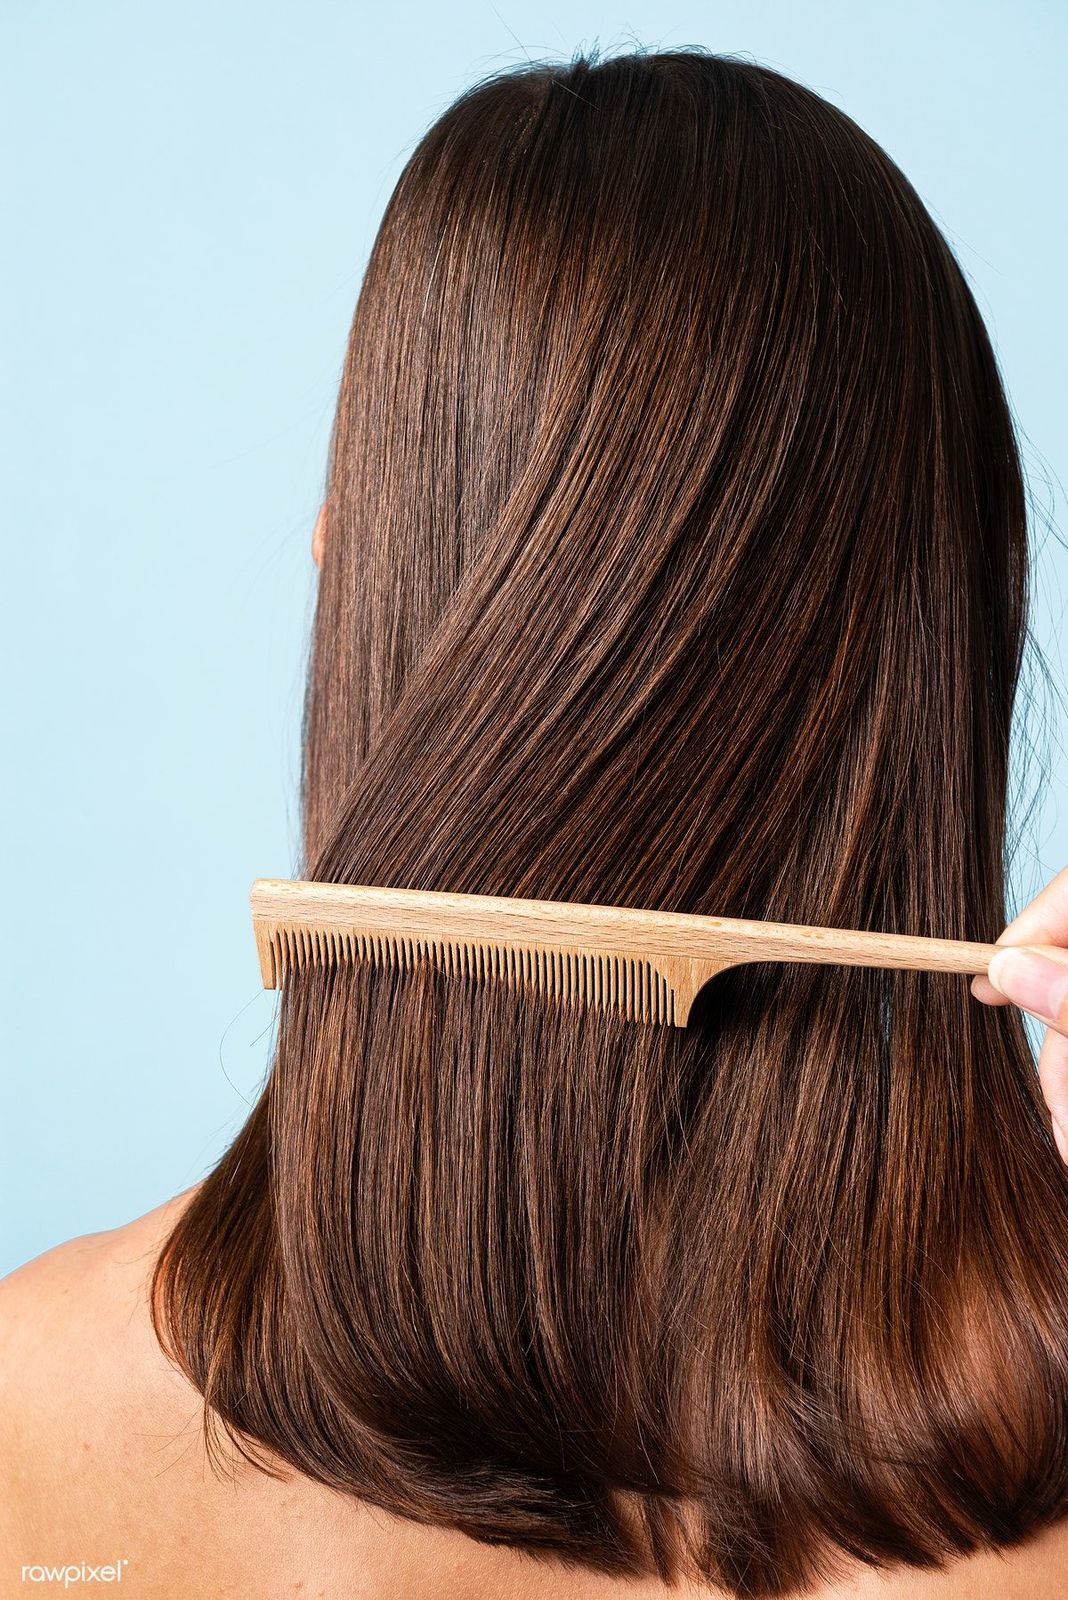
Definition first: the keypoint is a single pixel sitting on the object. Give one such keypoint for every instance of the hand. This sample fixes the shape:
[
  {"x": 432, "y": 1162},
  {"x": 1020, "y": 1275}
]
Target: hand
[{"x": 1032, "y": 972}]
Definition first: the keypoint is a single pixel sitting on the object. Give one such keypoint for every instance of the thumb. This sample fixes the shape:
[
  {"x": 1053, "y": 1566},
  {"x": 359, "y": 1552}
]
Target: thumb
[{"x": 1036, "y": 978}]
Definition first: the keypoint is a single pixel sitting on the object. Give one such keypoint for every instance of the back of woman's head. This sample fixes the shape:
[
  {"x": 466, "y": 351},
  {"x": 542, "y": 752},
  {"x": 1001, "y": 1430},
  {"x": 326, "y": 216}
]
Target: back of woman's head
[{"x": 675, "y": 556}]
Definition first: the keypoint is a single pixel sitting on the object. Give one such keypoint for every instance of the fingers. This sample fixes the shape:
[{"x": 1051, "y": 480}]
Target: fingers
[
  {"x": 1031, "y": 970},
  {"x": 1043, "y": 922},
  {"x": 984, "y": 990},
  {"x": 1036, "y": 978},
  {"x": 1053, "y": 1075}
]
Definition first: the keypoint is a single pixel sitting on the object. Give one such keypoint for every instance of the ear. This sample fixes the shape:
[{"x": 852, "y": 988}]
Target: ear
[{"x": 319, "y": 536}]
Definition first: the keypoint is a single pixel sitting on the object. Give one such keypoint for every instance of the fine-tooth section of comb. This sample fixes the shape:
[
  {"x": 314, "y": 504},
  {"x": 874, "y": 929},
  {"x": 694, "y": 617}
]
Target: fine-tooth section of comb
[
  {"x": 626, "y": 984},
  {"x": 646, "y": 965}
]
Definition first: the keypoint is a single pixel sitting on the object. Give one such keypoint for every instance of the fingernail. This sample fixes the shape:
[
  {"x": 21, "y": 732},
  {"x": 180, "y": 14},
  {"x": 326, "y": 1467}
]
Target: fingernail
[{"x": 1031, "y": 981}]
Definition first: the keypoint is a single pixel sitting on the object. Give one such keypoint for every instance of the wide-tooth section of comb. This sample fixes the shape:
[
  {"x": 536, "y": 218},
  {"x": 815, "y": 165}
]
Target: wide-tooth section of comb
[{"x": 629, "y": 985}]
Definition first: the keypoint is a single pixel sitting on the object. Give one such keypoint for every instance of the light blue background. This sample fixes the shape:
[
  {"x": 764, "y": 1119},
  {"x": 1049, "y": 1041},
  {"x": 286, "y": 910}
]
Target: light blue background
[{"x": 191, "y": 191}]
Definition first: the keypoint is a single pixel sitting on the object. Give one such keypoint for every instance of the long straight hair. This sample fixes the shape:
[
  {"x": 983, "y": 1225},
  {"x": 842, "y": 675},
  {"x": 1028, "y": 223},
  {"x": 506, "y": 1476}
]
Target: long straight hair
[{"x": 675, "y": 557}]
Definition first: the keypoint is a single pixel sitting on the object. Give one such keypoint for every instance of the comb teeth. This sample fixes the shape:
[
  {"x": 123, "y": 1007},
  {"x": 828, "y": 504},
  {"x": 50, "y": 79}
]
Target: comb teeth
[
  {"x": 628, "y": 985},
  {"x": 645, "y": 965}
]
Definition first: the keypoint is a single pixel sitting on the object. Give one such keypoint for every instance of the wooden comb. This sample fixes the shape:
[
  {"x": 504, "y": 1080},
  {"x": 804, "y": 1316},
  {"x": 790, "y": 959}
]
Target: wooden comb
[{"x": 646, "y": 965}]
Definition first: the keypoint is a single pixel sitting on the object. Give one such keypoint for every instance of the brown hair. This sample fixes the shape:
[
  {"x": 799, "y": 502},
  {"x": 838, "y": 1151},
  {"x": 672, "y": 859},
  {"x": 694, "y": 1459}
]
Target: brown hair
[{"x": 675, "y": 557}]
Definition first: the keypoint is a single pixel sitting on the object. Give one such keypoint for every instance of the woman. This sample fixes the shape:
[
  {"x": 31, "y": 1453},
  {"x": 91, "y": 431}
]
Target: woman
[{"x": 673, "y": 554}]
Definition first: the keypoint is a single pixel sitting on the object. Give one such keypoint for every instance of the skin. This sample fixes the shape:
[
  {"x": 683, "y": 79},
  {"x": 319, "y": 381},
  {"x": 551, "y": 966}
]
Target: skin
[
  {"x": 1032, "y": 972},
  {"x": 103, "y": 1458}
]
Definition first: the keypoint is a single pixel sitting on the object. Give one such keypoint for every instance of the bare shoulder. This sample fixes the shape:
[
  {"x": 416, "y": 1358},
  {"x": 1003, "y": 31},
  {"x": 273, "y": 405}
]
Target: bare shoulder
[
  {"x": 55, "y": 1310},
  {"x": 103, "y": 1460},
  {"x": 87, "y": 1399},
  {"x": 88, "y": 1262}
]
